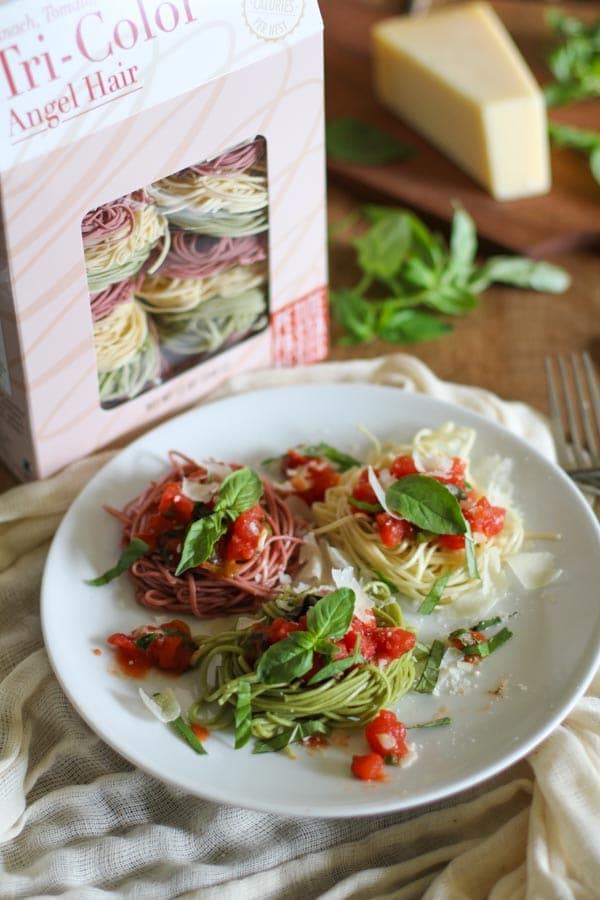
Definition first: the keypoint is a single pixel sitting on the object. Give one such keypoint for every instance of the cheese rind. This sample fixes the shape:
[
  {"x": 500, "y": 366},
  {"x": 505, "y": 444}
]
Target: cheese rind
[{"x": 456, "y": 76}]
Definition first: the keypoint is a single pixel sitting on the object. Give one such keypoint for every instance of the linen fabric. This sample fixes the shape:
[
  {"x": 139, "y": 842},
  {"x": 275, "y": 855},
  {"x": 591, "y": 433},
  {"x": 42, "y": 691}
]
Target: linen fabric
[{"x": 78, "y": 821}]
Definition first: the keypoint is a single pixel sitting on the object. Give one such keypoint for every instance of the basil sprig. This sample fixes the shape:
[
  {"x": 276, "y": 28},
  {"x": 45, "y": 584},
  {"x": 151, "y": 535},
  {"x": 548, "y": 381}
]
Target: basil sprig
[
  {"x": 429, "y": 673},
  {"x": 239, "y": 492},
  {"x": 434, "y": 596},
  {"x": 296, "y": 732},
  {"x": 328, "y": 620},
  {"x": 573, "y": 61},
  {"x": 412, "y": 279},
  {"x": 342, "y": 461},
  {"x": 135, "y": 549},
  {"x": 427, "y": 503},
  {"x": 351, "y": 140}
]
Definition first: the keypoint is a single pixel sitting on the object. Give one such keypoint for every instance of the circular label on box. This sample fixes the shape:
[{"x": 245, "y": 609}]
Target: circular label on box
[{"x": 272, "y": 20}]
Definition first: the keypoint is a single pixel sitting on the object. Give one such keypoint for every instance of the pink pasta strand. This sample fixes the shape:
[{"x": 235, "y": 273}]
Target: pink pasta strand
[{"x": 195, "y": 256}]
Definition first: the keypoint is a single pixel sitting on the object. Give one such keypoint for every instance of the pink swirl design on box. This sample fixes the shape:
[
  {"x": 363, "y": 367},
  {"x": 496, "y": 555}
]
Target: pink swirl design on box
[{"x": 196, "y": 256}]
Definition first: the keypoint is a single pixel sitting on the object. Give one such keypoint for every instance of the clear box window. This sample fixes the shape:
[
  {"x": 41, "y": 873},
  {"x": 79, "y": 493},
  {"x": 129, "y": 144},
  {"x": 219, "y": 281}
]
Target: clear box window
[{"x": 177, "y": 270}]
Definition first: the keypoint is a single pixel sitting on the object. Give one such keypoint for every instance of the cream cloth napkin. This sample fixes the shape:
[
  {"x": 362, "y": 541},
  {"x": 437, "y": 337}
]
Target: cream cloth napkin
[{"x": 76, "y": 820}]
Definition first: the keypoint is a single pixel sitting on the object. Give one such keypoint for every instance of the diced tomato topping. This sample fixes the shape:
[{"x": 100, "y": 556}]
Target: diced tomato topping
[
  {"x": 168, "y": 647},
  {"x": 456, "y": 474},
  {"x": 452, "y": 541},
  {"x": 175, "y": 505},
  {"x": 484, "y": 518},
  {"x": 392, "y": 643},
  {"x": 474, "y": 637},
  {"x": 402, "y": 466},
  {"x": 201, "y": 731},
  {"x": 245, "y": 535},
  {"x": 280, "y": 628},
  {"x": 363, "y": 492},
  {"x": 380, "y": 644},
  {"x": 391, "y": 530},
  {"x": 386, "y": 736},
  {"x": 310, "y": 476},
  {"x": 369, "y": 767},
  {"x": 127, "y": 647}
]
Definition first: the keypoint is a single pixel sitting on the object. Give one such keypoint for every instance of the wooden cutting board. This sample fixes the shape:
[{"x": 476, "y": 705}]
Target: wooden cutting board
[{"x": 567, "y": 218}]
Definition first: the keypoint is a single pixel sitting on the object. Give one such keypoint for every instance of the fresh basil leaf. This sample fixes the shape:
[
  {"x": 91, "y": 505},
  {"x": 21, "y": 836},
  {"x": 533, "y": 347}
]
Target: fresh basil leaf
[
  {"x": 336, "y": 667},
  {"x": 243, "y": 714},
  {"x": 434, "y": 723},
  {"x": 326, "y": 451},
  {"x": 183, "y": 729},
  {"x": 576, "y": 138},
  {"x": 200, "y": 540},
  {"x": 279, "y": 741},
  {"x": 239, "y": 492},
  {"x": 431, "y": 670},
  {"x": 463, "y": 242},
  {"x": 145, "y": 640},
  {"x": 486, "y": 623},
  {"x": 408, "y": 326},
  {"x": 287, "y": 659},
  {"x": 382, "y": 250},
  {"x": 356, "y": 315},
  {"x": 452, "y": 300},
  {"x": 419, "y": 273},
  {"x": 351, "y": 140},
  {"x": 426, "y": 503},
  {"x": 297, "y": 732},
  {"x": 434, "y": 596},
  {"x": 484, "y": 648},
  {"x": 470, "y": 553},
  {"x": 135, "y": 549},
  {"x": 524, "y": 273},
  {"x": 331, "y": 616}
]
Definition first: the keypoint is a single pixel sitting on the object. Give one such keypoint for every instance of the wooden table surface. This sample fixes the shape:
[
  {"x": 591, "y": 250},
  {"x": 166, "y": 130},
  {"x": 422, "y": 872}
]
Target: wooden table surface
[{"x": 501, "y": 346}]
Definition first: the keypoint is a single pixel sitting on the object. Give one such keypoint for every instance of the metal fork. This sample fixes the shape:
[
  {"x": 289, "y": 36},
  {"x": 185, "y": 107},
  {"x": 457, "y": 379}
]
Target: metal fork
[{"x": 574, "y": 401}]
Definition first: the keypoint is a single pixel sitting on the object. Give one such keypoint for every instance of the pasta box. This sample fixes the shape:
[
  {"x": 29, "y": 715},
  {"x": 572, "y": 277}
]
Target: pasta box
[{"x": 162, "y": 187}]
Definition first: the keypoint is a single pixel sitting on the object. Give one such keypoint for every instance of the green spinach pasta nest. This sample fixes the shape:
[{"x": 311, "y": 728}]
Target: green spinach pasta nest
[{"x": 309, "y": 664}]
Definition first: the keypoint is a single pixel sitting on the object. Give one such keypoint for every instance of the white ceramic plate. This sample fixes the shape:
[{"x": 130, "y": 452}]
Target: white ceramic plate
[{"x": 545, "y": 667}]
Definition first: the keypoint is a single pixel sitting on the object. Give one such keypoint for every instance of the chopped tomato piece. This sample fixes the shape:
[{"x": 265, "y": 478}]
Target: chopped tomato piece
[
  {"x": 386, "y": 736},
  {"x": 245, "y": 535},
  {"x": 168, "y": 647},
  {"x": 452, "y": 541},
  {"x": 457, "y": 473},
  {"x": 369, "y": 767},
  {"x": 391, "y": 530},
  {"x": 175, "y": 505},
  {"x": 170, "y": 652},
  {"x": 280, "y": 628},
  {"x": 127, "y": 646},
  {"x": 402, "y": 466},
  {"x": 310, "y": 476},
  {"x": 484, "y": 518},
  {"x": 363, "y": 492},
  {"x": 392, "y": 643}
]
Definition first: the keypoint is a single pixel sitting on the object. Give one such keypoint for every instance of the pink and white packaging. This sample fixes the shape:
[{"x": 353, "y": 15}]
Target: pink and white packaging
[{"x": 99, "y": 99}]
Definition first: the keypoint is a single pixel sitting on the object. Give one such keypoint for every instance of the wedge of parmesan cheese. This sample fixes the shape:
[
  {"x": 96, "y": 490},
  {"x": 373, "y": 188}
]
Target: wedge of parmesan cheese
[{"x": 456, "y": 76}]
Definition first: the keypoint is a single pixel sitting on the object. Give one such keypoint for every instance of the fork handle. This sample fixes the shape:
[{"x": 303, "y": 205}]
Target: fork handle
[{"x": 584, "y": 474}]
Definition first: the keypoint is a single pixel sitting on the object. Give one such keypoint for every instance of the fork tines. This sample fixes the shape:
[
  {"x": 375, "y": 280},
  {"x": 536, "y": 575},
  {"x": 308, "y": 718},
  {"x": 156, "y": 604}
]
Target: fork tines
[{"x": 574, "y": 400}]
